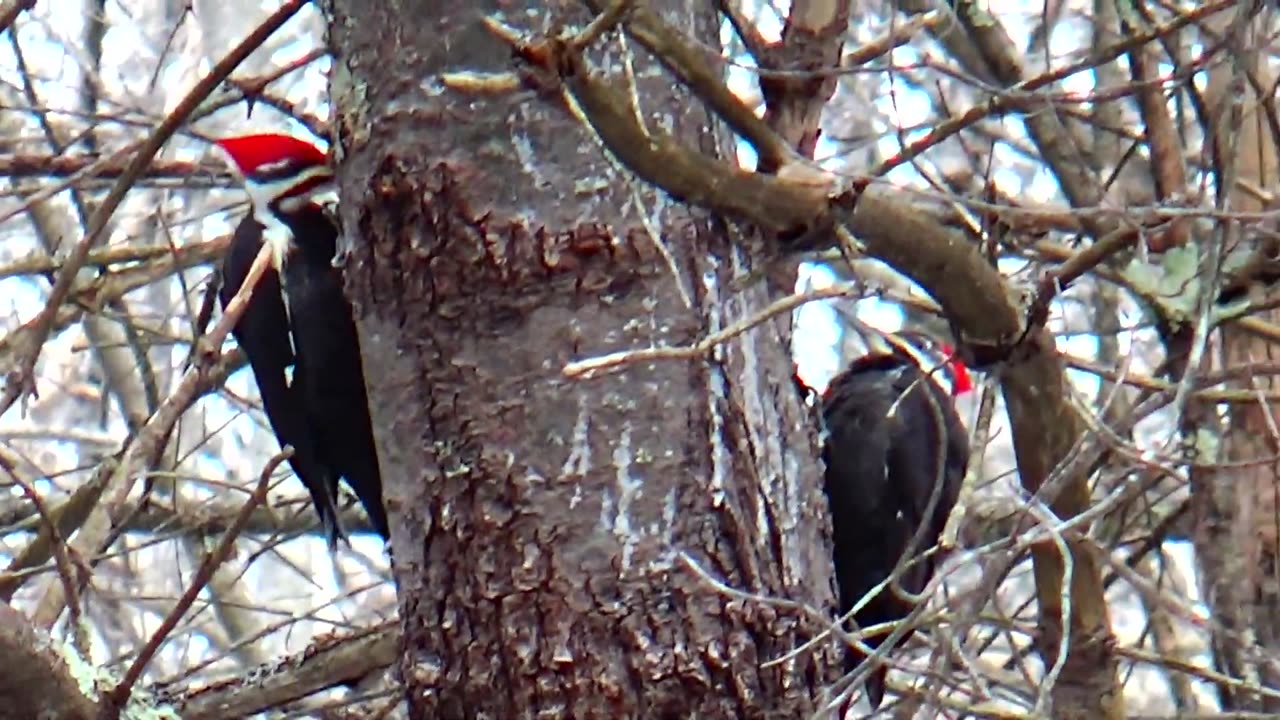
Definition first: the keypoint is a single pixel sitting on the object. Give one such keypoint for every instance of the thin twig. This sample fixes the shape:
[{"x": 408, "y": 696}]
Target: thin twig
[
  {"x": 116, "y": 479},
  {"x": 1018, "y": 96},
  {"x": 120, "y": 694},
  {"x": 1045, "y": 515},
  {"x": 702, "y": 73},
  {"x": 596, "y": 365}
]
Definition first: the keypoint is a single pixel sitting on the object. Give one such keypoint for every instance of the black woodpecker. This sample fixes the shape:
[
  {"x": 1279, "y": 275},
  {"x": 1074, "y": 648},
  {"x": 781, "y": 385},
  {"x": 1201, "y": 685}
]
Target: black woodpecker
[
  {"x": 895, "y": 453},
  {"x": 297, "y": 330}
]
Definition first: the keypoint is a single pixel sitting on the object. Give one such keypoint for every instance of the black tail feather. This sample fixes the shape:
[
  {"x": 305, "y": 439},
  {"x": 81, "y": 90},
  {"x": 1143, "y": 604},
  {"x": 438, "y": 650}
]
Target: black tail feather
[{"x": 875, "y": 685}]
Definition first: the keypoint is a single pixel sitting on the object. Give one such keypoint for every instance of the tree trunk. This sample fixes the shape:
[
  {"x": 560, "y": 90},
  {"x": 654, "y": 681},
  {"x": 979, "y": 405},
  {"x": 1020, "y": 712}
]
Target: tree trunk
[
  {"x": 541, "y": 524},
  {"x": 1236, "y": 509}
]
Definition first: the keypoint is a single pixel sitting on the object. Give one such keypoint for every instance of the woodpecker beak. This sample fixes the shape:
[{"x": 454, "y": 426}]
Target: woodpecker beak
[{"x": 327, "y": 198}]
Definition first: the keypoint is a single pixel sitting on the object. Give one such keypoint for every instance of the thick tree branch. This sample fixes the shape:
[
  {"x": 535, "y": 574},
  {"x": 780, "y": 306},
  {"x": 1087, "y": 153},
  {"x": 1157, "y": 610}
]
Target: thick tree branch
[
  {"x": 655, "y": 156},
  {"x": 328, "y": 662},
  {"x": 10, "y": 11},
  {"x": 36, "y": 682},
  {"x": 700, "y": 71}
]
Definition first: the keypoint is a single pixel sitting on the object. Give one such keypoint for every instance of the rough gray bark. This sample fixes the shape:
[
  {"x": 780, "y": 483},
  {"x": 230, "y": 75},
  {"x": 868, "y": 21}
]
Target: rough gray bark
[{"x": 538, "y": 522}]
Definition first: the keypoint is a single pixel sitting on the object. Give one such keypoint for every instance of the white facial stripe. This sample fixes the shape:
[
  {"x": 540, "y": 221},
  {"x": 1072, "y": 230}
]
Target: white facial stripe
[
  {"x": 322, "y": 194},
  {"x": 264, "y": 193},
  {"x": 277, "y": 235},
  {"x": 273, "y": 167},
  {"x": 326, "y": 194}
]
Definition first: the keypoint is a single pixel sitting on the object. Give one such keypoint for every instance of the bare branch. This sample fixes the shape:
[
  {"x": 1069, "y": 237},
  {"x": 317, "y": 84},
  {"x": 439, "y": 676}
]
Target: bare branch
[
  {"x": 114, "y": 481},
  {"x": 327, "y": 662},
  {"x": 614, "y": 361},
  {"x": 119, "y": 696}
]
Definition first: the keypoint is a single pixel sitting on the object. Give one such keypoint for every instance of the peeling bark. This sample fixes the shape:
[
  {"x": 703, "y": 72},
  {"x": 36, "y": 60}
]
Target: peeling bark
[{"x": 539, "y": 522}]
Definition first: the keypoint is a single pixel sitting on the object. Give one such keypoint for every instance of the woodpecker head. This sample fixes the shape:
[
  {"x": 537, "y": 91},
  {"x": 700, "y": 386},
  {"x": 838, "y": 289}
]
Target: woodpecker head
[
  {"x": 281, "y": 173},
  {"x": 931, "y": 354}
]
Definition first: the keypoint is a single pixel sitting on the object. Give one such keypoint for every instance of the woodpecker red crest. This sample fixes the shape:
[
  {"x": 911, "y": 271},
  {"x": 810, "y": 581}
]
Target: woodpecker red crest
[
  {"x": 280, "y": 172},
  {"x": 282, "y": 175}
]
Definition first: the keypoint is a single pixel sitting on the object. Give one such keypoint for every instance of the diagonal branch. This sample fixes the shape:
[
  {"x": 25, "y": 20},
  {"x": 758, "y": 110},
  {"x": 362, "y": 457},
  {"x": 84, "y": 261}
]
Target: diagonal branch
[
  {"x": 657, "y": 157},
  {"x": 11, "y": 10},
  {"x": 36, "y": 682},
  {"x": 119, "y": 696},
  {"x": 114, "y": 480},
  {"x": 694, "y": 66},
  {"x": 327, "y": 662}
]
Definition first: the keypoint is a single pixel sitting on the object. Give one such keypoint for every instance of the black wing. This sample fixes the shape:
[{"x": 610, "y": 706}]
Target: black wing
[
  {"x": 263, "y": 333},
  {"x": 331, "y": 373},
  {"x": 893, "y": 436}
]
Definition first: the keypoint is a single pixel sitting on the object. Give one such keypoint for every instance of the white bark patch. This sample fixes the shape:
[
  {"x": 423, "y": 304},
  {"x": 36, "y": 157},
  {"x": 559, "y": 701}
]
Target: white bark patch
[
  {"x": 579, "y": 460},
  {"x": 525, "y": 153},
  {"x": 666, "y": 529},
  {"x": 616, "y": 510},
  {"x": 580, "y": 449},
  {"x": 719, "y": 454},
  {"x": 765, "y": 438},
  {"x": 719, "y": 392}
]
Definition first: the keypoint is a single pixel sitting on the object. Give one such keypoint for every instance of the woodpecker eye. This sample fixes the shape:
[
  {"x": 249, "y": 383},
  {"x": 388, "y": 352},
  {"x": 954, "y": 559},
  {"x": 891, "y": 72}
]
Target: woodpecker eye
[{"x": 283, "y": 169}]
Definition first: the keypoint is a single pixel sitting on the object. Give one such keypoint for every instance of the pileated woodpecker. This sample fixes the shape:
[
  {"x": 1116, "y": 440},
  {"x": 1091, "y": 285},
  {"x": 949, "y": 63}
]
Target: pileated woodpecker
[
  {"x": 297, "y": 330},
  {"x": 895, "y": 453}
]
